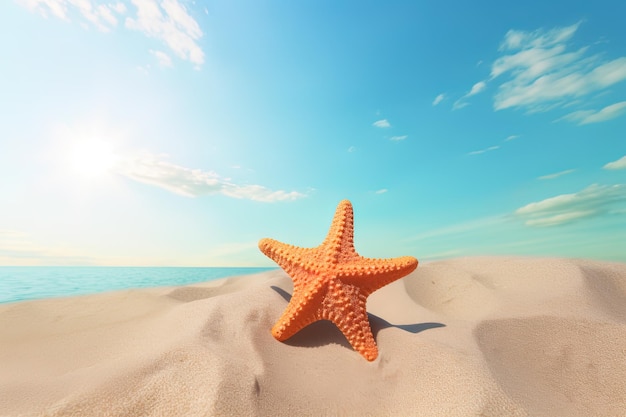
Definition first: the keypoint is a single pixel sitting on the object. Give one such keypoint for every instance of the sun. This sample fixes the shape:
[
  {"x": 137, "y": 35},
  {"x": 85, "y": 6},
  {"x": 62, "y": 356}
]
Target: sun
[{"x": 92, "y": 157}]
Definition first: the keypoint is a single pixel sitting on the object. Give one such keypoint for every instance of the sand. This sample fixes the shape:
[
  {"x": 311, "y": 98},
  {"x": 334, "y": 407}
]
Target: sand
[{"x": 491, "y": 336}]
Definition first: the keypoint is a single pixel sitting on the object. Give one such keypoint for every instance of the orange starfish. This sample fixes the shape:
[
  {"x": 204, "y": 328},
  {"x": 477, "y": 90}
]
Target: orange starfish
[{"x": 332, "y": 282}]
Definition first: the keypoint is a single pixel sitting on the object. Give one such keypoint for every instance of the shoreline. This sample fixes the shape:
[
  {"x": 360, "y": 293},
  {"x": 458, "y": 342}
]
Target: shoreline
[{"x": 23, "y": 283}]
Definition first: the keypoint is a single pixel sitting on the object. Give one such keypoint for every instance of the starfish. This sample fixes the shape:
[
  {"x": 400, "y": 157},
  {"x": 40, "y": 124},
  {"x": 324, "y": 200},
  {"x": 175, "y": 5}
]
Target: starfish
[{"x": 332, "y": 282}]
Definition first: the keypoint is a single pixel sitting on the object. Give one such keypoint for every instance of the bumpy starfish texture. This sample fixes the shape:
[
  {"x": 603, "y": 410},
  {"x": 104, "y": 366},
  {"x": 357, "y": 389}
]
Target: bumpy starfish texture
[{"x": 332, "y": 282}]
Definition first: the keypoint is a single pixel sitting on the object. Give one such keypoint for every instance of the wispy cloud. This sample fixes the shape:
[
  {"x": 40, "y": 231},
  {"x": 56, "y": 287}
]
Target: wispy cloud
[
  {"x": 352, "y": 149},
  {"x": 383, "y": 123},
  {"x": 539, "y": 71},
  {"x": 227, "y": 254},
  {"x": 170, "y": 23},
  {"x": 118, "y": 7},
  {"x": 436, "y": 256},
  {"x": 593, "y": 201},
  {"x": 491, "y": 148},
  {"x": 619, "y": 164},
  {"x": 155, "y": 170},
  {"x": 583, "y": 117},
  {"x": 19, "y": 248},
  {"x": 22, "y": 249},
  {"x": 163, "y": 58},
  {"x": 101, "y": 16},
  {"x": 556, "y": 175},
  {"x": 459, "y": 229},
  {"x": 558, "y": 219},
  {"x": 381, "y": 191},
  {"x": 460, "y": 103},
  {"x": 476, "y": 89},
  {"x": 398, "y": 138},
  {"x": 495, "y": 147},
  {"x": 167, "y": 21},
  {"x": 438, "y": 99}
]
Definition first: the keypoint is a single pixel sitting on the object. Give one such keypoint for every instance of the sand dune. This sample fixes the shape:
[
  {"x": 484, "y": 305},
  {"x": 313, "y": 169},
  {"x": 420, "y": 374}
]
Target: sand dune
[{"x": 468, "y": 336}]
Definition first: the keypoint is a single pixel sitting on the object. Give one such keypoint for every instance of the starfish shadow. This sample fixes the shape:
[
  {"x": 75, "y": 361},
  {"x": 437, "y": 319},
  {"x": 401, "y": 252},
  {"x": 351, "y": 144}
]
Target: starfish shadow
[
  {"x": 378, "y": 324},
  {"x": 324, "y": 332},
  {"x": 282, "y": 293}
]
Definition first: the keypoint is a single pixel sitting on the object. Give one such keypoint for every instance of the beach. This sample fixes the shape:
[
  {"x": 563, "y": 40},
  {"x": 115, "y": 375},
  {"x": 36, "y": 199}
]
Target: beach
[{"x": 490, "y": 336}]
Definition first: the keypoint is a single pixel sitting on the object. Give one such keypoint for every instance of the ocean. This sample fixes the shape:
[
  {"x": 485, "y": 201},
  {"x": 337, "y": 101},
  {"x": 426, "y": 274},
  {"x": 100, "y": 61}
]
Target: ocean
[{"x": 34, "y": 282}]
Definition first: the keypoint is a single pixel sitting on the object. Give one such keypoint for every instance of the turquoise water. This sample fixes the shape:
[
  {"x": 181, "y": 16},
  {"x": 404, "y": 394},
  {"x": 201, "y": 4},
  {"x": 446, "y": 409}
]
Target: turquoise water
[{"x": 33, "y": 282}]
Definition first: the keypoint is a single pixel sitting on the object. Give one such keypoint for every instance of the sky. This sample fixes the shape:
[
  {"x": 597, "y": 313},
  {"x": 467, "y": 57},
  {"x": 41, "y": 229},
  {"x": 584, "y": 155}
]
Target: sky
[{"x": 179, "y": 133}]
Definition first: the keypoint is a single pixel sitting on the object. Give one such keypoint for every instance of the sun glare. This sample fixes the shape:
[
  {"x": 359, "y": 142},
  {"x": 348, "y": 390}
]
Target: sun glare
[{"x": 92, "y": 158}]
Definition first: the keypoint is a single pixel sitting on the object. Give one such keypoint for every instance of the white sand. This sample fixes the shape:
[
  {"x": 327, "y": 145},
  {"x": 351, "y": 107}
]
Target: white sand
[{"x": 463, "y": 337}]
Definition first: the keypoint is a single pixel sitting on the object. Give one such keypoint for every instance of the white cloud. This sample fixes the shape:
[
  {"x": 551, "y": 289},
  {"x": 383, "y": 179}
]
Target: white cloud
[
  {"x": 144, "y": 70},
  {"x": 101, "y": 16},
  {"x": 381, "y": 191},
  {"x": 491, "y": 148},
  {"x": 619, "y": 164},
  {"x": 98, "y": 15},
  {"x": 14, "y": 242},
  {"x": 398, "y": 138},
  {"x": 18, "y": 248},
  {"x": 592, "y": 201},
  {"x": 167, "y": 20},
  {"x": 556, "y": 175},
  {"x": 459, "y": 104},
  {"x": 516, "y": 39},
  {"x": 257, "y": 193},
  {"x": 382, "y": 123},
  {"x": 163, "y": 58},
  {"x": 558, "y": 219},
  {"x": 539, "y": 73},
  {"x": 107, "y": 14},
  {"x": 444, "y": 254},
  {"x": 119, "y": 7},
  {"x": 57, "y": 8},
  {"x": 460, "y": 229},
  {"x": 170, "y": 23},
  {"x": 476, "y": 88},
  {"x": 583, "y": 117},
  {"x": 438, "y": 99},
  {"x": 155, "y": 170}
]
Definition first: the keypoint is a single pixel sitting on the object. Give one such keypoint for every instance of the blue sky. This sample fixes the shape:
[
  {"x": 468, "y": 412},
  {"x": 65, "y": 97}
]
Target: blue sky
[{"x": 171, "y": 132}]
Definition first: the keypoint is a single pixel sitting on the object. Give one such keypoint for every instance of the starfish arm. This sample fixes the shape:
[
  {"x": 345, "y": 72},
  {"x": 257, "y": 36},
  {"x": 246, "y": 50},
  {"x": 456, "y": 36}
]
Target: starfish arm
[
  {"x": 292, "y": 259},
  {"x": 302, "y": 310},
  {"x": 372, "y": 274},
  {"x": 359, "y": 334},
  {"x": 339, "y": 243},
  {"x": 345, "y": 306}
]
